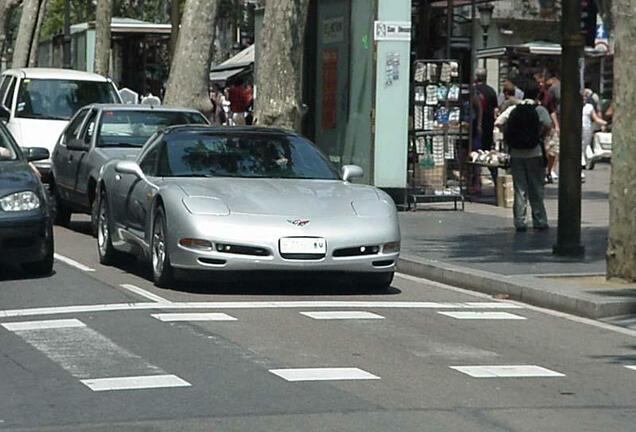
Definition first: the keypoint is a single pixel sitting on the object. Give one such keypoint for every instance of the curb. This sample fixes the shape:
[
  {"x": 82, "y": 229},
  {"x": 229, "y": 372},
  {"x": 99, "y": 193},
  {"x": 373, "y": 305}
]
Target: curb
[{"x": 527, "y": 289}]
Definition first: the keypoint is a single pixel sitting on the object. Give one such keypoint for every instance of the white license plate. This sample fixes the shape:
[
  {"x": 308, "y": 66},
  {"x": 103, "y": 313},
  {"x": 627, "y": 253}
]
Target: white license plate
[{"x": 303, "y": 245}]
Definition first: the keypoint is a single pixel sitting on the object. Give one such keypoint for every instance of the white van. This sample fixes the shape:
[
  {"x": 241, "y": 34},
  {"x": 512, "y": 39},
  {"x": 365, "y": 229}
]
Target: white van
[{"x": 37, "y": 103}]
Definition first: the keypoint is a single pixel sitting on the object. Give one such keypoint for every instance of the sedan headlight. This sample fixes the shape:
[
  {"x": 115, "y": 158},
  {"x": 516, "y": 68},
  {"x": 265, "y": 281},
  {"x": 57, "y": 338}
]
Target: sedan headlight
[
  {"x": 207, "y": 206},
  {"x": 20, "y": 201}
]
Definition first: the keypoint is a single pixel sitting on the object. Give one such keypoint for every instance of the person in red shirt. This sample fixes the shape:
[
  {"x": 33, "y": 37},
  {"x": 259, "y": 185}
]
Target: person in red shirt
[{"x": 240, "y": 99}]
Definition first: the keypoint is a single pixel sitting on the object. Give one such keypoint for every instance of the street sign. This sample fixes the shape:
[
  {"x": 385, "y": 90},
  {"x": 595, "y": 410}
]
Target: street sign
[{"x": 392, "y": 30}]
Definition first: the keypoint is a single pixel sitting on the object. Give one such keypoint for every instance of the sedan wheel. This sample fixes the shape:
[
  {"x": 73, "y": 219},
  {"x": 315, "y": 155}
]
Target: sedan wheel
[
  {"x": 107, "y": 253},
  {"x": 161, "y": 269}
]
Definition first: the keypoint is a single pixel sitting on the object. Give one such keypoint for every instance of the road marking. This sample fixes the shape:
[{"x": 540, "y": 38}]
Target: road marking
[
  {"x": 482, "y": 315},
  {"x": 73, "y": 263},
  {"x": 507, "y": 371},
  {"x": 632, "y": 367},
  {"x": 57, "y": 310},
  {"x": 135, "y": 382},
  {"x": 324, "y": 374},
  {"x": 341, "y": 315},
  {"x": 82, "y": 351},
  {"x": 40, "y": 325},
  {"x": 144, "y": 293},
  {"x": 168, "y": 317},
  {"x": 563, "y": 315}
]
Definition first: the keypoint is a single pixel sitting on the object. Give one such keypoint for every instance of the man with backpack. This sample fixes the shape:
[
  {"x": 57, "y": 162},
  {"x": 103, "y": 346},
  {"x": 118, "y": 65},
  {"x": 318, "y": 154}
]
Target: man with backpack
[{"x": 525, "y": 127}]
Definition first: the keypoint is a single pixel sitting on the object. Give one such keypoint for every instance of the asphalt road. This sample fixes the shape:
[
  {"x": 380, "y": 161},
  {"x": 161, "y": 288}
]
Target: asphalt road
[{"x": 97, "y": 348}]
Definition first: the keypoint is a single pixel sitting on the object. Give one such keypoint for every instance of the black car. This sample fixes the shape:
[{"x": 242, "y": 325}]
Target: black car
[{"x": 26, "y": 228}]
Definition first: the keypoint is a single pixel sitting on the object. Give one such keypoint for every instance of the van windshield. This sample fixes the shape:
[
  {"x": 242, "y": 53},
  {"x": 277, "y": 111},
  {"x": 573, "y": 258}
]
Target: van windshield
[{"x": 57, "y": 99}]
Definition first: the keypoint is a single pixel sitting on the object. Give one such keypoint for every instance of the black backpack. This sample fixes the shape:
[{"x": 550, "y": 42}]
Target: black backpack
[{"x": 523, "y": 128}]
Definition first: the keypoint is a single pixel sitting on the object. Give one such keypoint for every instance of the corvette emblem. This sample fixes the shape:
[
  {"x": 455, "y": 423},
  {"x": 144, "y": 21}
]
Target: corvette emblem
[{"x": 298, "y": 222}]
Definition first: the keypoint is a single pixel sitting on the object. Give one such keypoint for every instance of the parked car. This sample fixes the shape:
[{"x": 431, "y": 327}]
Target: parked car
[
  {"x": 96, "y": 134},
  {"x": 26, "y": 229},
  {"x": 37, "y": 103},
  {"x": 243, "y": 199}
]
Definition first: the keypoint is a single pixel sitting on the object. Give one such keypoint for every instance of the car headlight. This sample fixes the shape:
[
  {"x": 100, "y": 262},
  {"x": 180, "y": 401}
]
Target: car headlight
[
  {"x": 20, "y": 201},
  {"x": 208, "y": 206}
]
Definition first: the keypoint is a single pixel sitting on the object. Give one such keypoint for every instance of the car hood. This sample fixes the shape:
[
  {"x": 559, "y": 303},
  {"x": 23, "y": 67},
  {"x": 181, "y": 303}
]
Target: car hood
[
  {"x": 16, "y": 176},
  {"x": 282, "y": 197},
  {"x": 38, "y": 132}
]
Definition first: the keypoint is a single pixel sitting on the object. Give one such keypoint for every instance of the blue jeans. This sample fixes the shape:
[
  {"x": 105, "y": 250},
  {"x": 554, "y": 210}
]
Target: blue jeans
[{"x": 528, "y": 175}]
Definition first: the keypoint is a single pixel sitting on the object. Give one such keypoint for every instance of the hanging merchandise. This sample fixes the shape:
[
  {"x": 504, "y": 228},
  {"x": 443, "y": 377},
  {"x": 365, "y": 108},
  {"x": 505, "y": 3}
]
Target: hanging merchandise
[{"x": 440, "y": 136}]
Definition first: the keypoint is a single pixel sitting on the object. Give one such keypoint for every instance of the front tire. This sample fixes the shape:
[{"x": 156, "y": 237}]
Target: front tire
[
  {"x": 62, "y": 214},
  {"x": 162, "y": 271},
  {"x": 107, "y": 252}
]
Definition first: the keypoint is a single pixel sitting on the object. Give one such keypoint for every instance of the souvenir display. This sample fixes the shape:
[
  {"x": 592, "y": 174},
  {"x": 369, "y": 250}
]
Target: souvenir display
[{"x": 441, "y": 126}]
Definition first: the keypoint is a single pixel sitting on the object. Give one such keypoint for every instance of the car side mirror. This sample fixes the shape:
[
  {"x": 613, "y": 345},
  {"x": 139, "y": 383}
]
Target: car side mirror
[
  {"x": 5, "y": 115},
  {"x": 351, "y": 171},
  {"x": 75, "y": 144},
  {"x": 33, "y": 154},
  {"x": 132, "y": 168}
]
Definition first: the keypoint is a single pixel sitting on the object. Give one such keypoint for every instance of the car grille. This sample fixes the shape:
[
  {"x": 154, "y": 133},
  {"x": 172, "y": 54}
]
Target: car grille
[{"x": 303, "y": 256}]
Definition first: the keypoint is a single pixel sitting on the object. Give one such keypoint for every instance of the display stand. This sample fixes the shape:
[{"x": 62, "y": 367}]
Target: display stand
[{"x": 440, "y": 133}]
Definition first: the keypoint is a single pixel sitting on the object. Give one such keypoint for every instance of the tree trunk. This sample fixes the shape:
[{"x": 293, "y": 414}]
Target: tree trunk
[
  {"x": 24, "y": 39},
  {"x": 621, "y": 251},
  {"x": 33, "y": 55},
  {"x": 190, "y": 69},
  {"x": 6, "y": 7},
  {"x": 278, "y": 73},
  {"x": 175, "y": 21},
  {"x": 103, "y": 18}
]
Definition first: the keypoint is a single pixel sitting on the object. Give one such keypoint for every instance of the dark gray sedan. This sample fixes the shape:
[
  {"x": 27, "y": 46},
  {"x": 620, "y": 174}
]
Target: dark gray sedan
[{"x": 96, "y": 134}]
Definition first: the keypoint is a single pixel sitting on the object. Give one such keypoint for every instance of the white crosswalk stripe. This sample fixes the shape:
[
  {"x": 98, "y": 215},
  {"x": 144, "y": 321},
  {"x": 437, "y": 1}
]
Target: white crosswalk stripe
[
  {"x": 170, "y": 317},
  {"x": 507, "y": 371},
  {"x": 323, "y": 374},
  {"x": 482, "y": 315},
  {"x": 341, "y": 315},
  {"x": 87, "y": 354}
]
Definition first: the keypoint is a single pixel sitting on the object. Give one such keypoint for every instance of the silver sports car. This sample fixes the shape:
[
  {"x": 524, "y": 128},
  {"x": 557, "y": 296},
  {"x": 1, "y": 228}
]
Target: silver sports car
[{"x": 243, "y": 199}]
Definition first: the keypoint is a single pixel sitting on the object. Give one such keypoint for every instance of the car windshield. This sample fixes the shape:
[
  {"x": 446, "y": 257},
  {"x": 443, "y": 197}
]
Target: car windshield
[
  {"x": 57, "y": 99},
  {"x": 7, "y": 150},
  {"x": 250, "y": 155},
  {"x": 133, "y": 128}
]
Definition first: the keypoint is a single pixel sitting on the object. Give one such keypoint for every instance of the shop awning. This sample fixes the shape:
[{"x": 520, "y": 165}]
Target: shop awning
[
  {"x": 235, "y": 65},
  {"x": 537, "y": 48}
]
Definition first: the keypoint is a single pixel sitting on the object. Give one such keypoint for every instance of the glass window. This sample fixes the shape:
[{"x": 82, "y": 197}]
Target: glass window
[
  {"x": 148, "y": 164},
  {"x": 249, "y": 155},
  {"x": 73, "y": 129},
  {"x": 128, "y": 128},
  {"x": 8, "y": 102},
  {"x": 57, "y": 99},
  {"x": 3, "y": 87},
  {"x": 89, "y": 129},
  {"x": 7, "y": 149}
]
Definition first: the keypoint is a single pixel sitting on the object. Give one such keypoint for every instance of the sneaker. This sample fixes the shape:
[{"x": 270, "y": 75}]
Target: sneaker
[
  {"x": 554, "y": 175},
  {"x": 582, "y": 177},
  {"x": 548, "y": 179}
]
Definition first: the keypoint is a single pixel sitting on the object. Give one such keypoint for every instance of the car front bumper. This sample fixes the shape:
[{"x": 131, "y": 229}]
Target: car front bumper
[
  {"x": 266, "y": 234},
  {"x": 24, "y": 239}
]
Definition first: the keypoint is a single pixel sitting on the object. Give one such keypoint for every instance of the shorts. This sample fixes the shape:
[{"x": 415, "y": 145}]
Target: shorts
[{"x": 553, "y": 144}]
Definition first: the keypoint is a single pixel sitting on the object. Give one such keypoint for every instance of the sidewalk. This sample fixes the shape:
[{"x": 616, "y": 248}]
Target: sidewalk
[{"x": 479, "y": 249}]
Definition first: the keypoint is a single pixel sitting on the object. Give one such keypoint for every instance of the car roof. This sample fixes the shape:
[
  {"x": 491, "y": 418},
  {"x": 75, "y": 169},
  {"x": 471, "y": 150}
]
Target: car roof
[
  {"x": 54, "y": 73},
  {"x": 140, "y": 107},
  {"x": 229, "y": 129}
]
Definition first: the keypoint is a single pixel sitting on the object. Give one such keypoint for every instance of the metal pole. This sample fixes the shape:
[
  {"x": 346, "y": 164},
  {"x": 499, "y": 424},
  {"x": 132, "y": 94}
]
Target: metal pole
[
  {"x": 67, "y": 35},
  {"x": 572, "y": 43},
  {"x": 449, "y": 27}
]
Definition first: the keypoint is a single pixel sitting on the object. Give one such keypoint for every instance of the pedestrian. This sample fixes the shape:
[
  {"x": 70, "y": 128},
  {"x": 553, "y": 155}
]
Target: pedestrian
[
  {"x": 238, "y": 96},
  {"x": 509, "y": 90},
  {"x": 553, "y": 105},
  {"x": 488, "y": 100},
  {"x": 509, "y": 100},
  {"x": 590, "y": 117},
  {"x": 525, "y": 127}
]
